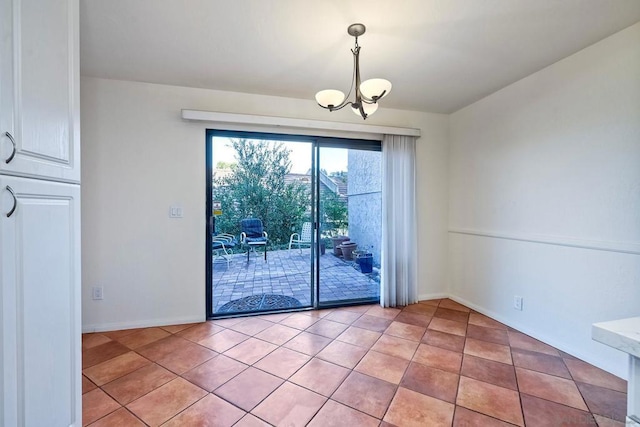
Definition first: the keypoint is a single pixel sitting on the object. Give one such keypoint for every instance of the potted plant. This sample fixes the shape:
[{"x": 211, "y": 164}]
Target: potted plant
[
  {"x": 337, "y": 242},
  {"x": 323, "y": 246},
  {"x": 347, "y": 250}
]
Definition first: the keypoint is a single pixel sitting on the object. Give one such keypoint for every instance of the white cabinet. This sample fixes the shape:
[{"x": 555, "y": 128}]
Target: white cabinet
[
  {"x": 40, "y": 331},
  {"x": 39, "y": 89},
  {"x": 40, "y": 276}
]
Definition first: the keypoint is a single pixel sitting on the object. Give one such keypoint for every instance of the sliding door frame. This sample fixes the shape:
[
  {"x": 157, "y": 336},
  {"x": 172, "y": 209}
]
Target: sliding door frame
[
  {"x": 317, "y": 142},
  {"x": 345, "y": 143}
]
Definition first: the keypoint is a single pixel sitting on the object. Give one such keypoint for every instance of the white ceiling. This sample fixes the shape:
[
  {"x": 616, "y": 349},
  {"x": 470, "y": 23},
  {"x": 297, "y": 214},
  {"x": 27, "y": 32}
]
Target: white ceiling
[{"x": 440, "y": 55}]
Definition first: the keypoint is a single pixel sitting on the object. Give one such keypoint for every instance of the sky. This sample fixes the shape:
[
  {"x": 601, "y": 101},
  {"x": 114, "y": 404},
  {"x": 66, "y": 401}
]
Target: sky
[{"x": 331, "y": 159}]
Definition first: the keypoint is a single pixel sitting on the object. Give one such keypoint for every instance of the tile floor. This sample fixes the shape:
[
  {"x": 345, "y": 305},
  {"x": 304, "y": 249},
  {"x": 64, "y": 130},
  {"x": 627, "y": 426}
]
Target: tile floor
[{"x": 429, "y": 364}]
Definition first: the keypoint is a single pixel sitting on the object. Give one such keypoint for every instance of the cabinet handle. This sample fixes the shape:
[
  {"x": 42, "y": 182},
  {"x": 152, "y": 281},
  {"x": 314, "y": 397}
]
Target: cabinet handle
[
  {"x": 13, "y": 142},
  {"x": 15, "y": 201}
]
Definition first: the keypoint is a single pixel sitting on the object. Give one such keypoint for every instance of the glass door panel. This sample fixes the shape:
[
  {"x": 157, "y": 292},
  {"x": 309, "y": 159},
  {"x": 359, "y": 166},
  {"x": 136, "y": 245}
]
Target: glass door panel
[
  {"x": 349, "y": 191},
  {"x": 270, "y": 182}
]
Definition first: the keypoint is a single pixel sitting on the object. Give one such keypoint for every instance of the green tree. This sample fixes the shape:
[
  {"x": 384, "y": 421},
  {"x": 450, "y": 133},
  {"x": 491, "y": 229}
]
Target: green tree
[
  {"x": 334, "y": 216},
  {"x": 224, "y": 165},
  {"x": 256, "y": 188}
]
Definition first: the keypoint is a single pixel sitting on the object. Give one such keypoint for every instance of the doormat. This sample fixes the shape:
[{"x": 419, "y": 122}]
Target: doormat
[{"x": 260, "y": 302}]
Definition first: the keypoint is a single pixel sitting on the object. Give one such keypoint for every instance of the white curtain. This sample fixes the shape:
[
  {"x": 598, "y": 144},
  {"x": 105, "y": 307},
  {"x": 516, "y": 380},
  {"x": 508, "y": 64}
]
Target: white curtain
[{"x": 399, "y": 284}]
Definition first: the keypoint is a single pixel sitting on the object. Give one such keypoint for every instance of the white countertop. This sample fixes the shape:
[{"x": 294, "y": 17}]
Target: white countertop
[{"x": 623, "y": 334}]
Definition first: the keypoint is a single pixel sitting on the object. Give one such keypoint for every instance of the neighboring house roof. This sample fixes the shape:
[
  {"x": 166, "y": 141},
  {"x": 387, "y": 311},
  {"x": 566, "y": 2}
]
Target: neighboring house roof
[
  {"x": 297, "y": 177},
  {"x": 336, "y": 186},
  {"x": 342, "y": 186}
]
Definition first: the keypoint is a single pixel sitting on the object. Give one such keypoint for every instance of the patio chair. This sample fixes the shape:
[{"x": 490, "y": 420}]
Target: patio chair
[
  {"x": 253, "y": 235},
  {"x": 302, "y": 238},
  {"x": 222, "y": 245}
]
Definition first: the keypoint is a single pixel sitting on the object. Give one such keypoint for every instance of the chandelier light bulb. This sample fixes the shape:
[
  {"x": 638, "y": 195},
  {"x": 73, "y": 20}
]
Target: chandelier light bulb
[
  {"x": 329, "y": 97},
  {"x": 375, "y": 88},
  {"x": 369, "y": 109}
]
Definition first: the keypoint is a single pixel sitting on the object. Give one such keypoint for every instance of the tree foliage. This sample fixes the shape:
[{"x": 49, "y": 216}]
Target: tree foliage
[
  {"x": 334, "y": 218},
  {"x": 256, "y": 188}
]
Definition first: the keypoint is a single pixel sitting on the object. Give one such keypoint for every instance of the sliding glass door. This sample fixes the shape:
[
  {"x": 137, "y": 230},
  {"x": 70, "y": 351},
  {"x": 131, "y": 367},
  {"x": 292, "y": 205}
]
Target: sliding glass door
[
  {"x": 350, "y": 221},
  {"x": 293, "y": 222}
]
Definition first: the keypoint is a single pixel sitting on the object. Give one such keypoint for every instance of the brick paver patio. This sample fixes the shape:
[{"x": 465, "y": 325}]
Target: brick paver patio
[{"x": 289, "y": 274}]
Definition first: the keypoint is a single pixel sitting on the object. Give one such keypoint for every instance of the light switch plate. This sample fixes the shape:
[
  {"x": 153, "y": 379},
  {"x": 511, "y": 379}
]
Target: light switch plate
[
  {"x": 517, "y": 302},
  {"x": 175, "y": 212}
]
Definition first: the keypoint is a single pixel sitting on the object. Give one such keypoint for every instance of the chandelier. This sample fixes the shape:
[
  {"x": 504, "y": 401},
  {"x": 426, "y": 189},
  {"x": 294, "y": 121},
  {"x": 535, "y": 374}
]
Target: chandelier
[{"x": 367, "y": 93}]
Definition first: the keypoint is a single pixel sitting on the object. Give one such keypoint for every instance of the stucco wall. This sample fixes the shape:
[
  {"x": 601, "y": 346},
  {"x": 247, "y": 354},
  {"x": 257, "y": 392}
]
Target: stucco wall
[{"x": 364, "y": 189}]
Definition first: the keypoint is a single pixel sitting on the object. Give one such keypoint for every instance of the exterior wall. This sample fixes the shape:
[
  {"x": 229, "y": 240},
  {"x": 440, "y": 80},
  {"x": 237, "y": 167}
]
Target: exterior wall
[{"x": 364, "y": 191}]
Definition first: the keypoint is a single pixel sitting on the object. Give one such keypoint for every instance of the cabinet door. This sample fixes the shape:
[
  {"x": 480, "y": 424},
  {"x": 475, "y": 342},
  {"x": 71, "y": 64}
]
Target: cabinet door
[
  {"x": 40, "y": 278},
  {"x": 39, "y": 89}
]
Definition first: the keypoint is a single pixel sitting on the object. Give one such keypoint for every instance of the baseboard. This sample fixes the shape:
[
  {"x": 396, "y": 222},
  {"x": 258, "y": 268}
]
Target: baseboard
[
  {"x": 532, "y": 333},
  {"x": 116, "y": 326},
  {"x": 440, "y": 295}
]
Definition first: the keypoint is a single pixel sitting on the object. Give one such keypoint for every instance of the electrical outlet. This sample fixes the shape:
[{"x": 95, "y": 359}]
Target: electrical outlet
[
  {"x": 97, "y": 292},
  {"x": 517, "y": 302}
]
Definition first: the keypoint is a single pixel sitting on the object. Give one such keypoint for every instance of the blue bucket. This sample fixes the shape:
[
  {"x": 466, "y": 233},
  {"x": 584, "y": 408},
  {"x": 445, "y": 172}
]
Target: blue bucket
[{"x": 366, "y": 263}]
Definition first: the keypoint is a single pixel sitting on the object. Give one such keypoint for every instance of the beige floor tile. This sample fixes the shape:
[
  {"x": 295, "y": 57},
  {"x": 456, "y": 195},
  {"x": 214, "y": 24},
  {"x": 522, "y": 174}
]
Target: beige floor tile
[
  {"x": 406, "y": 331},
  {"x": 250, "y": 351},
  {"x": 309, "y": 344},
  {"x": 488, "y": 350},
  {"x": 277, "y": 334},
  {"x": 143, "y": 337},
  {"x": 320, "y": 376},
  {"x": 448, "y": 326},
  {"x": 121, "y": 417},
  {"x": 383, "y": 366},
  {"x": 394, "y": 346},
  {"x": 115, "y": 368},
  {"x": 248, "y": 388},
  {"x": 336, "y": 414},
  {"x": 364, "y": 393},
  {"x": 186, "y": 358},
  {"x": 585, "y": 373},
  {"x": 327, "y": 328},
  {"x": 439, "y": 358},
  {"x": 551, "y": 388},
  {"x": 489, "y": 399},
  {"x": 412, "y": 409},
  {"x": 223, "y": 341},
  {"x": 200, "y": 331},
  {"x": 214, "y": 372},
  {"x": 289, "y": 405},
  {"x": 251, "y": 326},
  {"x": 360, "y": 337},
  {"x": 95, "y": 405},
  {"x": 138, "y": 383},
  {"x": 283, "y": 362},
  {"x": 342, "y": 353},
  {"x": 208, "y": 411},
  {"x": 166, "y": 401}
]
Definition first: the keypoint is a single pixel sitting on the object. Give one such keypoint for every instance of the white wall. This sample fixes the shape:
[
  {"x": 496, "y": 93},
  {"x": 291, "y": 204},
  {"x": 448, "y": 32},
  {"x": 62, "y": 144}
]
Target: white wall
[
  {"x": 546, "y": 164},
  {"x": 139, "y": 157}
]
